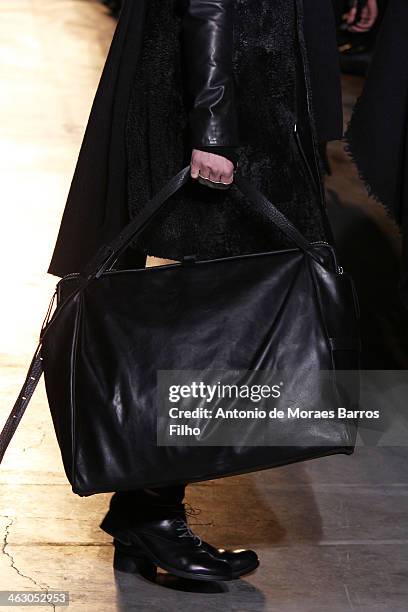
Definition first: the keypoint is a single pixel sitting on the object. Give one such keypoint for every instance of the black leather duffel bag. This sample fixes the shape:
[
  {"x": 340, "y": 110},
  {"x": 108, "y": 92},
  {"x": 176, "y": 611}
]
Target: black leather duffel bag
[{"x": 113, "y": 330}]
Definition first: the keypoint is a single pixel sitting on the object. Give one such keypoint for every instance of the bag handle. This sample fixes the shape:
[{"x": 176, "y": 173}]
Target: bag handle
[
  {"x": 108, "y": 254},
  {"x": 268, "y": 211}
]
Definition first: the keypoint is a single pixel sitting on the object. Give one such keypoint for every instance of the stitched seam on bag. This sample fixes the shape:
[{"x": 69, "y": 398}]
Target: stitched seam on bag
[
  {"x": 156, "y": 269},
  {"x": 72, "y": 387},
  {"x": 338, "y": 450},
  {"x": 321, "y": 309}
]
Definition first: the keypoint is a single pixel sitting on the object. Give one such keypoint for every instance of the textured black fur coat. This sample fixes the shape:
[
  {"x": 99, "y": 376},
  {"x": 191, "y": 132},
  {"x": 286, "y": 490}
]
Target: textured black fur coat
[{"x": 136, "y": 137}]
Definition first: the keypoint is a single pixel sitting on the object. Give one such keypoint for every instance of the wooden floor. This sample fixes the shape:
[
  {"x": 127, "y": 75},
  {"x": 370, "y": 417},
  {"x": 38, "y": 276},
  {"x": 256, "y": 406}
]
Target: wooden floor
[{"x": 331, "y": 533}]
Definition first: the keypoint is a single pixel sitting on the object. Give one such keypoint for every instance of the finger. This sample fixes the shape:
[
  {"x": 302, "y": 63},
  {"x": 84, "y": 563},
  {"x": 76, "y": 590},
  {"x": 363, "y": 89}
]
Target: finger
[
  {"x": 214, "y": 174},
  {"x": 194, "y": 168},
  {"x": 207, "y": 171},
  {"x": 364, "y": 18},
  {"x": 372, "y": 16},
  {"x": 204, "y": 170},
  {"x": 359, "y": 28},
  {"x": 227, "y": 178},
  {"x": 351, "y": 15},
  {"x": 364, "y": 13},
  {"x": 367, "y": 19}
]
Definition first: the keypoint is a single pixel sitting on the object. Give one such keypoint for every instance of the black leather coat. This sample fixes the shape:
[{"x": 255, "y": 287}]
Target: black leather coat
[
  {"x": 207, "y": 44},
  {"x": 110, "y": 184},
  {"x": 207, "y": 37}
]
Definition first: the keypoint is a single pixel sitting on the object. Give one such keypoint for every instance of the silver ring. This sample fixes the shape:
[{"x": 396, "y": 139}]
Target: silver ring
[{"x": 211, "y": 181}]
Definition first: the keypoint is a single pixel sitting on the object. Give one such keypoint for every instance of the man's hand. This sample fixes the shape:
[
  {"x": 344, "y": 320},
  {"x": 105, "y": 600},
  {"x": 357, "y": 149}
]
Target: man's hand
[
  {"x": 212, "y": 167},
  {"x": 369, "y": 14}
]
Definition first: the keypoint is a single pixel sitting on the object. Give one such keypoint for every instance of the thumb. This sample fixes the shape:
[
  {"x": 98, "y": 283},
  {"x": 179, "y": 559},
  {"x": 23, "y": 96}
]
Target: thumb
[{"x": 351, "y": 15}]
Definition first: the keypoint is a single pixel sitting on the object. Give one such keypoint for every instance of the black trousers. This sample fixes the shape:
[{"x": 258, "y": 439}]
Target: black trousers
[{"x": 148, "y": 504}]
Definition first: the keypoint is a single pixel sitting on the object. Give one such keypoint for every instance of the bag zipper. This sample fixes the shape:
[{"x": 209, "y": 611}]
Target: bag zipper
[{"x": 339, "y": 269}]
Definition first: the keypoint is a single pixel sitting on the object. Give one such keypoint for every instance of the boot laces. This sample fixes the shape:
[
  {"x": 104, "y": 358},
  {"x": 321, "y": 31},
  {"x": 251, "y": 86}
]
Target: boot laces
[
  {"x": 182, "y": 526},
  {"x": 186, "y": 532}
]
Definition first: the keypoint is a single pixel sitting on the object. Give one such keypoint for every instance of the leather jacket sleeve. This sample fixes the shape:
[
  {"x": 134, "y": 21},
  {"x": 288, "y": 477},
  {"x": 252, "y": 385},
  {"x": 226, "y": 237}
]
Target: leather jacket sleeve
[{"x": 207, "y": 47}]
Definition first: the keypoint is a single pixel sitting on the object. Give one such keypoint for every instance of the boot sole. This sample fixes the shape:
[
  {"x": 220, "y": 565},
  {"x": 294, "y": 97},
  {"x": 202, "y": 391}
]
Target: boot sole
[
  {"x": 248, "y": 570},
  {"x": 132, "y": 564}
]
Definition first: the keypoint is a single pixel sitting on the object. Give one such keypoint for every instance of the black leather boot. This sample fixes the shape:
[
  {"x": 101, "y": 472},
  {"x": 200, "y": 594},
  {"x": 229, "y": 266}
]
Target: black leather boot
[
  {"x": 171, "y": 545},
  {"x": 241, "y": 561},
  {"x": 132, "y": 560}
]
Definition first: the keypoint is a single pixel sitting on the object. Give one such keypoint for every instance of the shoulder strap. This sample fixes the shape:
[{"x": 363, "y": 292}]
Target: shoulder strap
[{"x": 33, "y": 376}]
